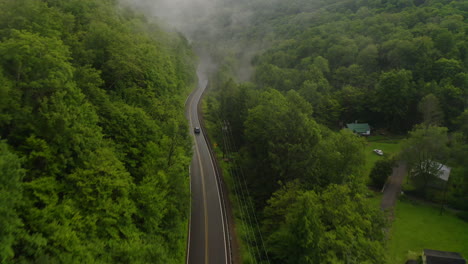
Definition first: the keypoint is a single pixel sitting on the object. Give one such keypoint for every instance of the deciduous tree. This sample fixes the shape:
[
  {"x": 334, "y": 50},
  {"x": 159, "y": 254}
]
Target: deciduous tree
[
  {"x": 425, "y": 151},
  {"x": 334, "y": 226},
  {"x": 11, "y": 176}
]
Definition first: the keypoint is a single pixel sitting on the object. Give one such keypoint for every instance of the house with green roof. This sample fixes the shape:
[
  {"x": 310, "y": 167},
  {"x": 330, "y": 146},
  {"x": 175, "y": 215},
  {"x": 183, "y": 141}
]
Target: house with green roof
[{"x": 362, "y": 129}]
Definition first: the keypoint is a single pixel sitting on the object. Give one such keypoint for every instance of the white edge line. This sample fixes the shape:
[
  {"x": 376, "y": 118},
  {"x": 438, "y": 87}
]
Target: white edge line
[
  {"x": 190, "y": 174},
  {"x": 190, "y": 213},
  {"x": 221, "y": 209},
  {"x": 193, "y": 95},
  {"x": 217, "y": 187},
  {"x": 199, "y": 158}
]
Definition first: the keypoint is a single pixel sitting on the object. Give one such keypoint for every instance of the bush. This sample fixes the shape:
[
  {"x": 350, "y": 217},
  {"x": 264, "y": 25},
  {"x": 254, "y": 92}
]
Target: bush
[{"x": 380, "y": 172}]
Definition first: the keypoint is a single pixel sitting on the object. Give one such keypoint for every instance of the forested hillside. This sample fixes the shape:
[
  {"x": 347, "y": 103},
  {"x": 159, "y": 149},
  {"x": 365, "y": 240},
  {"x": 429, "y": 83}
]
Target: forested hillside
[
  {"x": 94, "y": 149},
  {"x": 341, "y": 56},
  {"x": 375, "y": 62},
  {"x": 398, "y": 65}
]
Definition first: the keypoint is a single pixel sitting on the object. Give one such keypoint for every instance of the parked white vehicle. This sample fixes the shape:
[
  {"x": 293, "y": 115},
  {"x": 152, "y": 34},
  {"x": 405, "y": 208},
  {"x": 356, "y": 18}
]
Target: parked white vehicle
[{"x": 378, "y": 152}]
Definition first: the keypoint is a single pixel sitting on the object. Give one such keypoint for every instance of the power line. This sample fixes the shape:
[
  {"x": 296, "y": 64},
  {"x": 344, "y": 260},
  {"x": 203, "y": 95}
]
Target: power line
[
  {"x": 240, "y": 180},
  {"x": 240, "y": 199}
]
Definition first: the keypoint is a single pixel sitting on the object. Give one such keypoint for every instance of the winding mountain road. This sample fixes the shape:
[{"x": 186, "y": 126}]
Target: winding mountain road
[{"x": 208, "y": 240}]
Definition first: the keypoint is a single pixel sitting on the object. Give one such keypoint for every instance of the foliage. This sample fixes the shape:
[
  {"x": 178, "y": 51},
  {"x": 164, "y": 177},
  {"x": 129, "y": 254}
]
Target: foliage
[
  {"x": 425, "y": 151},
  {"x": 367, "y": 60},
  {"x": 95, "y": 146},
  {"x": 284, "y": 153},
  {"x": 390, "y": 145},
  {"x": 11, "y": 175},
  {"x": 280, "y": 141},
  {"x": 321, "y": 64},
  {"x": 335, "y": 226},
  {"x": 458, "y": 187},
  {"x": 394, "y": 92},
  {"x": 429, "y": 107},
  {"x": 381, "y": 171}
]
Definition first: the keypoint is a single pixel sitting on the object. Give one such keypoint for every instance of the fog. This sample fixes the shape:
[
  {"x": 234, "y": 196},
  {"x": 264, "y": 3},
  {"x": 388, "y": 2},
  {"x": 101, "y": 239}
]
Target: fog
[
  {"x": 186, "y": 16},
  {"x": 208, "y": 25}
]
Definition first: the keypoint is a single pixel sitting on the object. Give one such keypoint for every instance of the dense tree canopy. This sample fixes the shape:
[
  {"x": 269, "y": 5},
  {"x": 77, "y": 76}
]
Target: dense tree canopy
[
  {"x": 425, "y": 151},
  {"x": 335, "y": 226},
  {"x": 397, "y": 65},
  {"x": 94, "y": 150},
  {"x": 368, "y": 60}
]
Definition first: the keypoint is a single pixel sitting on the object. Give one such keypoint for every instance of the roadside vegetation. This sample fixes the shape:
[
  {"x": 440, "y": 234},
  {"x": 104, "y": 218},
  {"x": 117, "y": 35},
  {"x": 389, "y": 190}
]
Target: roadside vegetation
[
  {"x": 244, "y": 227},
  {"x": 399, "y": 66},
  {"x": 94, "y": 148}
]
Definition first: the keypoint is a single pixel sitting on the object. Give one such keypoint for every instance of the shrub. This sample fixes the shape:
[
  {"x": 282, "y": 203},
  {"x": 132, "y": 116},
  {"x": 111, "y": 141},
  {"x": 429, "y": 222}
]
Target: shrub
[{"x": 380, "y": 172}]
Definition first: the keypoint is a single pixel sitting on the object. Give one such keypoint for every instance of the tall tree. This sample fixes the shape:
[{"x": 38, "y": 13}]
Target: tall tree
[
  {"x": 334, "y": 226},
  {"x": 339, "y": 157},
  {"x": 425, "y": 151},
  {"x": 11, "y": 176},
  {"x": 429, "y": 108},
  {"x": 91, "y": 99},
  {"x": 280, "y": 138},
  {"x": 395, "y": 92}
]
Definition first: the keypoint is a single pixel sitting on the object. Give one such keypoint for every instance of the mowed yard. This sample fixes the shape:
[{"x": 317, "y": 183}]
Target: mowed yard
[
  {"x": 389, "y": 145},
  {"x": 418, "y": 226}
]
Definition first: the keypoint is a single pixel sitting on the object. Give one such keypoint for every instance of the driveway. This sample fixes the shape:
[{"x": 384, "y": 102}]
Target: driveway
[{"x": 393, "y": 187}]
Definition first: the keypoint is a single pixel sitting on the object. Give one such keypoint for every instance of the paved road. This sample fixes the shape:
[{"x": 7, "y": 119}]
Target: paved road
[{"x": 207, "y": 235}]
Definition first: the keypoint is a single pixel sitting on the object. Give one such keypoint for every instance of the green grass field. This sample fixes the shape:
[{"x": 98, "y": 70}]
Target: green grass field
[
  {"x": 389, "y": 146},
  {"x": 418, "y": 226},
  {"x": 375, "y": 198}
]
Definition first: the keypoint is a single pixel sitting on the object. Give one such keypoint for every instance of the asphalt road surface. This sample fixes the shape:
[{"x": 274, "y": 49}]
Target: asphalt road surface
[{"x": 208, "y": 238}]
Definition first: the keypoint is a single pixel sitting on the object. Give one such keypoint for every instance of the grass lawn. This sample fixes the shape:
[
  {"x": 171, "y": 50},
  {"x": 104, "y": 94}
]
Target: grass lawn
[
  {"x": 375, "y": 198},
  {"x": 418, "y": 226},
  {"x": 389, "y": 146}
]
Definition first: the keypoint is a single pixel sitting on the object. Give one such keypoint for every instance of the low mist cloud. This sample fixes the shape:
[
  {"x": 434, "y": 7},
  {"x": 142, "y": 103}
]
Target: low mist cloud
[
  {"x": 210, "y": 24},
  {"x": 184, "y": 15}
]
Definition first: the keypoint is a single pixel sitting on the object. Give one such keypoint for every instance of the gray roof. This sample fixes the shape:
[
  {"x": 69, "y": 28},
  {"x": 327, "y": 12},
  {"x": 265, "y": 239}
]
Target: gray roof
[
  {"x": 444, "y": 173},
  {"x": 443, "y": 257}
]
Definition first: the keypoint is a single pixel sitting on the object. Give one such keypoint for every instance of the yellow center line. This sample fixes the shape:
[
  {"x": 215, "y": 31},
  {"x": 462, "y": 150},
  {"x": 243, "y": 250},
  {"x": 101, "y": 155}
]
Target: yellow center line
[
  {"x": 204, "y": 204},
  {"x": 203, "y": 189}
]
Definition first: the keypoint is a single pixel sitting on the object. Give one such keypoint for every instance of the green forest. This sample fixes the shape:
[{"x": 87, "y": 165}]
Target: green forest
[
  {"x": 401, "y": 66},
  {"x": 94, "y": 148}
]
